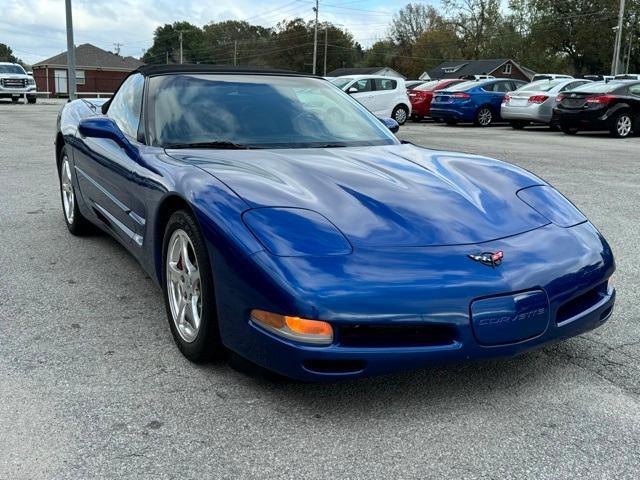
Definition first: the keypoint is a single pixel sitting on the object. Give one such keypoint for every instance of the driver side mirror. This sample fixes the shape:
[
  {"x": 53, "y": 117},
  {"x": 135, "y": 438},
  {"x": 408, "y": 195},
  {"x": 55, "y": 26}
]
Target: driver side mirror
[
  {"x": 105, "y": 127},
  {"x": 352, "y": 90},
  {"x": 391, "y": 124}
]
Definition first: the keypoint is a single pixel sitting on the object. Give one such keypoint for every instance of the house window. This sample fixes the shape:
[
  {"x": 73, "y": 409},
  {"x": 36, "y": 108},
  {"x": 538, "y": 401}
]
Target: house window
[
  {"x": 79, "y": 77},
  {"x": 507, "y": 69},
  {"x": 450, "y": 69}
]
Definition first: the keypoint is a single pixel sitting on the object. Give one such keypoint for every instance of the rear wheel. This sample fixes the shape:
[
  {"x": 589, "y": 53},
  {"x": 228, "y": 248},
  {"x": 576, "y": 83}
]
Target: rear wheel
[
  {"x": 31, "y": 100},
  {"x": 188, "y": 289},
  {"x": 621, "y": 125},
  {"x": 484, "y": 117},
  {"x": 400, "y": 114}
]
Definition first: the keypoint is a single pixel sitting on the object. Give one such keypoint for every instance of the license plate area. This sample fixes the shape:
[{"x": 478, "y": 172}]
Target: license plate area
[{"x": 506, "y": 319}]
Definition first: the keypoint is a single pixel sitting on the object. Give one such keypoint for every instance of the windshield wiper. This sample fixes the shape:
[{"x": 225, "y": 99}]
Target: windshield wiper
[
  {"x": 330, "y": 145},
  {"x": 212, "y": 145}
]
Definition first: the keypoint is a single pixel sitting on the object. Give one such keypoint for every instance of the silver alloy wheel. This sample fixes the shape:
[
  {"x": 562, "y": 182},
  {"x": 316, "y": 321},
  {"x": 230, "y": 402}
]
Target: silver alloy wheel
[
  {"x": 68, "y": 196},
  {"x": 184, "y": 286},
  {"x": 485, "y": 116},
  {"x": 401, "y": 116},
  {"x": 623, "y": 126}
]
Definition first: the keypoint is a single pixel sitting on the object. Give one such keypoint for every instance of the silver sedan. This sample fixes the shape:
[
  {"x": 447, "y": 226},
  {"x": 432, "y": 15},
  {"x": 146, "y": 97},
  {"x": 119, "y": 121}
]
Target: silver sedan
[{"x": 535, "y": 101}]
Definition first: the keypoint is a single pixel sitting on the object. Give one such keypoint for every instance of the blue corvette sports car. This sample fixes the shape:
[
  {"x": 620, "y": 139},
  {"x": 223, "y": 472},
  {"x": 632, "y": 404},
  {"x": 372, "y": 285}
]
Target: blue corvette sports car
[
  {"x": 287, "y": 225},
  {"x": 475, "y": 101}
]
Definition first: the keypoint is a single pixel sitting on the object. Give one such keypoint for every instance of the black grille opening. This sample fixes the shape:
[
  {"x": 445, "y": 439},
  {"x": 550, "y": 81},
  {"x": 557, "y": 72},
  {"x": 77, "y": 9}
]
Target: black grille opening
[
  {"x": 335, "y": 366},
  {"x": 397, "y": 335},
  {"x": 582, "y": 302}
]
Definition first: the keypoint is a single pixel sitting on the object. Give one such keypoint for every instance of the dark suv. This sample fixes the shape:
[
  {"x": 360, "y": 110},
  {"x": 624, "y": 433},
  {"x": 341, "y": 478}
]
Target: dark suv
[{"x": 613, "y": 106}]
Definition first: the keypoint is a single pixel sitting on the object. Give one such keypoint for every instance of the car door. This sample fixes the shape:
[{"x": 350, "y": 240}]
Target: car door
[
  {"x": 385, "y": 96},
  {"x": 496, "y": 92},
  {"x": 108, "y": 177},
  {"x": 364, "y": 95}
]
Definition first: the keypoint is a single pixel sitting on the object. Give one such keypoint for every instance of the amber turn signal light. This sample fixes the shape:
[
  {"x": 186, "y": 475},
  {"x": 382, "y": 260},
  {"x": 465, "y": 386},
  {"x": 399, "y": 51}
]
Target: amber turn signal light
[{"x": 295, "y": 328}]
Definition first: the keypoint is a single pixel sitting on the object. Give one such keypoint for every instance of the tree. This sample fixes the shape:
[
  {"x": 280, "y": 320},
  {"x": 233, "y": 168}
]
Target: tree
[
  {"x": 476, "y": 22},
  {"x": 6, "y": 54},
  {"x": 412, "y": 21},
  {"x": 166, "y": 44},
  {"x": 232, "y": 40}
]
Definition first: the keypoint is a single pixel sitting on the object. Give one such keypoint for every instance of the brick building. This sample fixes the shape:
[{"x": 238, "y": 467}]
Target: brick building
[
  {"x": 499, "y": 68},
  {"x": 97, "y": 71}
]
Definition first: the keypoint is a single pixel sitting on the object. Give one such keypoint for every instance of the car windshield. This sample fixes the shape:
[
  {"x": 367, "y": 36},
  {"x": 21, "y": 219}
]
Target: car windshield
[
  {"x": 428, "y": 86},
  {"x": 258, "y": 111},
  {"x": 541, "y": 85},
  {"x": 341, "y": 82},
  {"x": 12, "y": 69},
  {"x": 461, "y": 87},
  {"x": 599, "y": 87}
]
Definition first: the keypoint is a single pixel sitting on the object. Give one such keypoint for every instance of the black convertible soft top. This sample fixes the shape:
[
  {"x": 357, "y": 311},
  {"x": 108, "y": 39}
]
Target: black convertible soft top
[{"x": 152, "y": 70}]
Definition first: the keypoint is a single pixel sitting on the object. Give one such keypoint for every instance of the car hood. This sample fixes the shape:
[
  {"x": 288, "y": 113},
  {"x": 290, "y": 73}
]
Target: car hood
[{"x": 388, "y": 196}]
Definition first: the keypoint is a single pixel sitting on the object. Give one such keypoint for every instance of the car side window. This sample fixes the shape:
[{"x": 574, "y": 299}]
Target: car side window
[
  {"x": 502, "y": 87},
  {"x": 364, "y": 85},
  {"x": 385, "y": 84},
  {"x": 126, "y": 106}
]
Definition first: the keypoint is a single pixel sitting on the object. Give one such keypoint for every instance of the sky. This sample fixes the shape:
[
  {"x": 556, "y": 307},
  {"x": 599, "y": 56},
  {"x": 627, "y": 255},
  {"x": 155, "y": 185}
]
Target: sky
[{"x": 35, "y": 29}]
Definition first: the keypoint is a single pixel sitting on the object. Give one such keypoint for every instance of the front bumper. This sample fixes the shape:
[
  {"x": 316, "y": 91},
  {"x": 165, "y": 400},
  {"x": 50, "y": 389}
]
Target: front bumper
[
  {"x": 419, "y": 289},
  {"x": 17, "y": 92}
]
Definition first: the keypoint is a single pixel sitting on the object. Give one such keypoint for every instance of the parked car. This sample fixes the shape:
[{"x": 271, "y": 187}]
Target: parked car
[
  {"x": 319, "y": 246},
  {"x": 612, "y": 106},
  {"x": 422, "y": 95},
  {"x": 15, "y": 83},
  {"x": 382, "y": 96},
  {"x": 627, "y": 76},
  {"x": 476, "y": 101},
  {"x": 549, "y": 76},
  {"x": 411, "y": 84},
  {"x": 535, "y": 101}
]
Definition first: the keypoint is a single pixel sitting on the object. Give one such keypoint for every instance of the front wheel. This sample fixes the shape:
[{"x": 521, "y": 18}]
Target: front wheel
[
  {"x": 188, "y": 289},
  {"x": 621, "y": 125},
  {"x": 484, "y": 117},
  {"x": 73, "y": 218},
  {"x": 400, "y": 114}
]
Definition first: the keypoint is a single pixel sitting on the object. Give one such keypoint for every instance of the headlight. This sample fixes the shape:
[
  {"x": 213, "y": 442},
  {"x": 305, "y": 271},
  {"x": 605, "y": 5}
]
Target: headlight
[
  {"x": 295, "y": 232},
  {"x": 31, "y": 81},
  {"x": 552, "y": 205},
  {"x": 295, "y": 328}
]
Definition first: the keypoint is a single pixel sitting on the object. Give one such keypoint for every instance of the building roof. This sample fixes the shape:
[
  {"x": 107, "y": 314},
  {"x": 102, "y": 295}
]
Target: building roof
[
  {"x": 150, "y": 70},
  {"x": 462, "y": 68},
  {"x": 91, "y": 57},
  {"x": 341, "y": 72}
]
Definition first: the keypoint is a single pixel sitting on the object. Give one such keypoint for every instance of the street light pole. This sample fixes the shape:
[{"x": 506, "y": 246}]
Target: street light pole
[
  {"x": 71, "y": 54},
  {"x": 615, "y": 63},
  {"x": 180, "y": 48},
  {"x": 315, "y": 39}
]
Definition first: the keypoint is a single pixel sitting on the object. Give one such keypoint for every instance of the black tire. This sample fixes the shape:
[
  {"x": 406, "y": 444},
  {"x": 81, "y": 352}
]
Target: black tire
[
  {"x": 568, "y": 129},
  {"x": 400, "y": 114},
  {"x": 484, "y": 117},
  {"x": 518, "y": 125},
  {"x": 206, "y": 344},
  {"x": 621, "y": 125},
  {"x": 15, "y": 99},
  {"x": 554, "y": 127},
  {"x": 451, "y": 123},
  {"x": 31, "y": 100},
  {"x": 417, "y": 118},
  {"x": 76, "y": 223}
]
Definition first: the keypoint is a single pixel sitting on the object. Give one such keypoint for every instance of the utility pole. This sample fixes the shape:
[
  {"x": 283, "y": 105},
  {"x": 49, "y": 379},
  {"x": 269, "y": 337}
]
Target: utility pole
[
  {"x": 181, "y": 59},
  {"x": 235, "y": 52},
  {"x": 315, "y": 39},
  {"x": 629, "y": 52},
  {"x": 615, "y": 64},
  {"x": 326, "y": 46},
  {"x": 71, "y": 53},
  {"x": 167, "y": 53}
]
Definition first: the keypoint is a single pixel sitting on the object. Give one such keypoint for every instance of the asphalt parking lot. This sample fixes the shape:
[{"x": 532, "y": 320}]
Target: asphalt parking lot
[{"x": 92, "y": 386}]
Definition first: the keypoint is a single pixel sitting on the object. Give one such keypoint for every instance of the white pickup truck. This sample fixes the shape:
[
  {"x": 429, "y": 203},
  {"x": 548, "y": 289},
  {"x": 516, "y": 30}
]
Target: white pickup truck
[{"x": 15, "y": 83}]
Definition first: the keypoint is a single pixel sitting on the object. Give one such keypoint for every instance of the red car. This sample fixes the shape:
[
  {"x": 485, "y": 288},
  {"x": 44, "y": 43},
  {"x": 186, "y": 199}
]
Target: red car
[{"x": 422, "y": 95}]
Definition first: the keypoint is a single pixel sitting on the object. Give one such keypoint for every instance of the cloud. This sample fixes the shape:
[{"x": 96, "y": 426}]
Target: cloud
[{"x": 35, "y": 29}]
